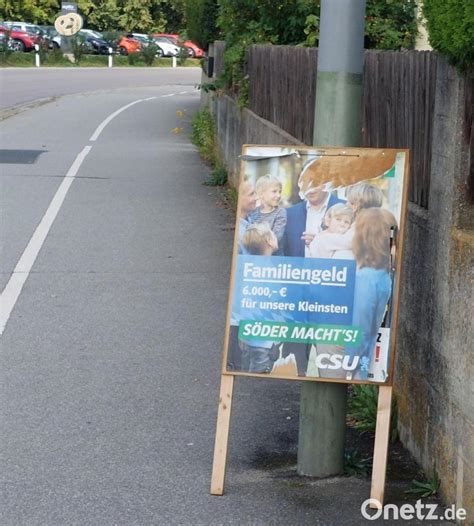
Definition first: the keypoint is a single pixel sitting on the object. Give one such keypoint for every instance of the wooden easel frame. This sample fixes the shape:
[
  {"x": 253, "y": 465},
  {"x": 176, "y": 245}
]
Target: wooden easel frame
[
  {"x": 382, "y": 430},
  {"x": 382, "y": 435}
]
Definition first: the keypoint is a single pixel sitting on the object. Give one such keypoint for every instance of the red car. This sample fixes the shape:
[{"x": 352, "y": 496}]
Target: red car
[
  {"x": 193, "y": 49},
  {"x": 128, "y": 44},
  {"x": 20, "y": 40}
]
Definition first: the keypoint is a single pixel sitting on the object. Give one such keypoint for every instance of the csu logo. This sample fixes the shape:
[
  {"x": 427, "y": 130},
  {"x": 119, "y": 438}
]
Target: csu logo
[{"x": 335, "y": 361}]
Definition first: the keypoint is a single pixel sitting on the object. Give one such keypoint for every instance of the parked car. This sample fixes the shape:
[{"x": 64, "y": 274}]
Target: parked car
[
  {"x": 94, "y": 43},
  {"x": 128, "y": 44},
  {"x": 194, "y": 51},
  {"x": 52, "y": 36},
  {"x": 93, "y": 33},
  {"x": 168, "y": 47},
  {"x": 165, "y": 48},
  {"x": 25, "y": 27},
  {"x": 19, "y": 40}
]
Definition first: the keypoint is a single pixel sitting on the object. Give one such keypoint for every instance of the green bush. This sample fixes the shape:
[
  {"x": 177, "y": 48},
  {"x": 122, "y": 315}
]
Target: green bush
[
  {"x": 363, "y": 404},
  {"x": 201, "y": 18},
  {"x": 450, "y": 26},
  {"x": 135, "y": 59},
  {"x": 390, "y": 24},
  {"x": 218, "y": 176},
  {"x": 148, "y": 53},
  {"x": 78, "y": 48},
  {"x": 55, "y": 57},
  {"x": 204, "y": 136}
]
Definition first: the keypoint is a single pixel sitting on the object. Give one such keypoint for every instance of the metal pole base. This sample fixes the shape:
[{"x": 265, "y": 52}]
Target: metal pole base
[{"x": 322, "y": 429}]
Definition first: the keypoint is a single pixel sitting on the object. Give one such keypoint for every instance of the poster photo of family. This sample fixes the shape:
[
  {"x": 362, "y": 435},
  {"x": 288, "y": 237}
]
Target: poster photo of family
[{"x": 317, "y": 255}]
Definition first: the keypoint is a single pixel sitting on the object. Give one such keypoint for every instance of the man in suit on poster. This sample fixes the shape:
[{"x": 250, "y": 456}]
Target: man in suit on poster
[{"x": 304, "y": 221}]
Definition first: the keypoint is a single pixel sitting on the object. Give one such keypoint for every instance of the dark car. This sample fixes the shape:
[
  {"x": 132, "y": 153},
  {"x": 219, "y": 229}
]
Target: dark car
[{"x": 94, "y": 44}]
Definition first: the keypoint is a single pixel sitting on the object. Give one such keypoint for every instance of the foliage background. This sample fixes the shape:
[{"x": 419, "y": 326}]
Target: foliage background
[
  {"x": 451, "y": 29},
  {"x": 104, "y": 15}
]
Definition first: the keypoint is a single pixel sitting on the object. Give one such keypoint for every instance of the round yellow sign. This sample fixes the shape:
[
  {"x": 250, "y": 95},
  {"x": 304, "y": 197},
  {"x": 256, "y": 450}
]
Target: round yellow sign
[{"x": 68, "y": 25}]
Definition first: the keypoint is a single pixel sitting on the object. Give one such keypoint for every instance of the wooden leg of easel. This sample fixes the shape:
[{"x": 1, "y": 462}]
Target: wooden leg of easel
[
  {"x": 382, "y": 435},
  {"x": 222, "y": 435}
]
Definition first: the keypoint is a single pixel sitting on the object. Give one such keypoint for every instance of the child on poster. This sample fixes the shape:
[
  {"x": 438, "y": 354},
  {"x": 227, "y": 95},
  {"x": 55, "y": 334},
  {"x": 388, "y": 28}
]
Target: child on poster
[
  {"x": 359, "y": 197},
  {"x": 268, "y": 189},
  {"x": 257, "y": 356},
  {"x": 327, "y": 243}
]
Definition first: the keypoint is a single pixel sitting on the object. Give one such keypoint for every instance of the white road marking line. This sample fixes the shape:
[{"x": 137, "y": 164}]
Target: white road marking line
[
  {"x": 106, "y": 121},
  {"x": 13, "y": 289},
  {"x": 169, "y": 95}
]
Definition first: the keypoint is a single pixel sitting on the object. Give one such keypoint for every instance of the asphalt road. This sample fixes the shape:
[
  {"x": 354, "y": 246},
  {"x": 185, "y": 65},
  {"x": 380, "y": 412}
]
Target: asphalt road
[
  {"x": 24, "y": 85},
  {"x": 110, "y": 358}
]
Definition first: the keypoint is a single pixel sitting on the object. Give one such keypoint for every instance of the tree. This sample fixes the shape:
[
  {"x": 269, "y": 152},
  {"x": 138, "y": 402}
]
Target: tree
[
  {"x": 275, "y": 21},
  {"x": 201, "y": 17},
  {"x": 172, "y": 13},
  {"x": 136, "y": 16},
  {"x": 34, "y": 11},
  {"x": 390, "y": 24},
  {"x": 451, "y": 29},
  {"x": 104, "y": 16}
]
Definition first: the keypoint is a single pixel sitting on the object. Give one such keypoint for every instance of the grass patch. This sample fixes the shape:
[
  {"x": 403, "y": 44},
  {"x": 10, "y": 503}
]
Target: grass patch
[
  {"x": 355, "y": 464},
  {"x": 218, "y": 176},
  {"x": 56, "y": 59},
  {"x": 363, "y": 410},
  {"x": 231, "y": 198},
  {"x": 204, "y": 136},
  {"x": 425, "y": 488},
  {"x": 93, "y": 61},
  {"x": 17, "y": 59}
]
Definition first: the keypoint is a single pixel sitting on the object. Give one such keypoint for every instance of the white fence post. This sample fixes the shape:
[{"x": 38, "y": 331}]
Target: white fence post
[
  {"x": 110, "y": 57},
  {"x": 37, "y": 56},
  {"x": 174, "y": 62}
]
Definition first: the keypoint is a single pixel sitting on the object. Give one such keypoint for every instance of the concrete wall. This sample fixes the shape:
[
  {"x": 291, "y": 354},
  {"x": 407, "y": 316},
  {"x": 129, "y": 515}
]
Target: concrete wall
[
  {"x": 237, "y": 127},
  {"x": 435, "y": 360},
  {"x": 435, "y": 357}
]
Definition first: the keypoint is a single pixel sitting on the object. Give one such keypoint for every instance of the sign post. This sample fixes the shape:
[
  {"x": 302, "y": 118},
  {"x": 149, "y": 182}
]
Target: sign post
[
  {"x": 323, "y": 312},
  {"x": 68, "y": 24},
  {"x": 337, "y": 122}
]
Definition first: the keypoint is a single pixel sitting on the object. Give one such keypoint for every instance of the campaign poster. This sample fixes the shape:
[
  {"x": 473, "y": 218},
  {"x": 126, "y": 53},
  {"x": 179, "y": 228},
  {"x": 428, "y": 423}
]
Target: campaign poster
[{"x": 317, "y": 256}]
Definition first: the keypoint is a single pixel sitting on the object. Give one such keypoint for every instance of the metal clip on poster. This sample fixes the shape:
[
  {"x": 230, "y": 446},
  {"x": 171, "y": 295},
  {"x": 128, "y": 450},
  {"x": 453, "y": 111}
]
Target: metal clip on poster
[{"x": 310, "y": 261}]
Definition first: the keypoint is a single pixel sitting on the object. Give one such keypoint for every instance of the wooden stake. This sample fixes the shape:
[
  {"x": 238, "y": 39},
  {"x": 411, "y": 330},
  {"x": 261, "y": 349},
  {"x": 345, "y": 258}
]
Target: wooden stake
[
  {"x": 382, "y": 434},
  {"x": 222, "y": 435}
]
